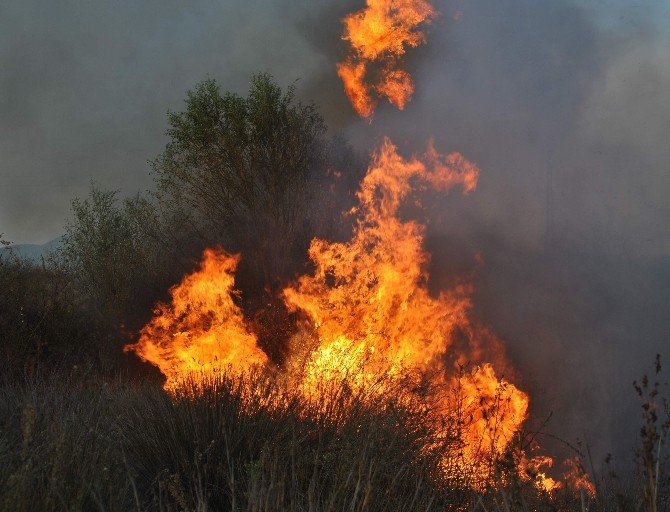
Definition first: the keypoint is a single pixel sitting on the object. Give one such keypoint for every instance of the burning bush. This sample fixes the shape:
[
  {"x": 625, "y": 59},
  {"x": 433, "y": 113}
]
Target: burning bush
[
  {"x": 368, "y": 324},
  {"x": 254, "y": 174}
]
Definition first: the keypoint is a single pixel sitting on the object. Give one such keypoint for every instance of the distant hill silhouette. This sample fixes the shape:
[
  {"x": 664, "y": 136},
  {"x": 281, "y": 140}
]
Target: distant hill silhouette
[{"x": 31, "y": 252}]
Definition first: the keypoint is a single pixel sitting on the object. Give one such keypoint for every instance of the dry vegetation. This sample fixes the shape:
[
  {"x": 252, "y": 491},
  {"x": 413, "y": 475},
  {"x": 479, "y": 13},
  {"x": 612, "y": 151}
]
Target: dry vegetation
[
  {"x": 78, "y": 444},
  {"x": 84, "y": 426}
]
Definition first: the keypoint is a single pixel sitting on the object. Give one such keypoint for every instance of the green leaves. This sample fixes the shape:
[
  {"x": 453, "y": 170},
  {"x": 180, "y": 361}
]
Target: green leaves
[{"x": 241, "y": 163}]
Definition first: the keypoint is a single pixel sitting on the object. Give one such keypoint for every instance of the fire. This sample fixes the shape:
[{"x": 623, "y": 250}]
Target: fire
[
  {"x": 576, "y": 478},
  {"x": 379, "y": 36},
  {"x": 497, "y": 409},
  {"x": 353, "y": 76},
  {"x": 368, "y": 321},
  {"x": 372, "y": 289},
  {"x": 533, "y": 469},
  {"x": 202, "y": 330},
  {"x": 371, "y": 312},
  {"x": 367, "y": 313}
]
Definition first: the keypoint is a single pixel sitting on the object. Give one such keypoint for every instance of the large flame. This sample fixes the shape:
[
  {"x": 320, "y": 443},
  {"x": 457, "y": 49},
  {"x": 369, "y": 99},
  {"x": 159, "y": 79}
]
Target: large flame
[
  {"x": 371, "y": 311},
  {"x": 368, "y": 319},
  {"x": 202, "y": 330},
  {"x": 372, "y": 289},
  {"x": 379, "y": 36},
  {"x": 367, "y": 312}
]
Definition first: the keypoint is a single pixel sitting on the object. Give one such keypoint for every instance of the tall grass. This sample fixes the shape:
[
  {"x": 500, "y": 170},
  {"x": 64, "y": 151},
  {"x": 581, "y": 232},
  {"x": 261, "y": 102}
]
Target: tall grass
[
  {"x": 81, "y": 446},
  {"x": 242, "y": 444}
]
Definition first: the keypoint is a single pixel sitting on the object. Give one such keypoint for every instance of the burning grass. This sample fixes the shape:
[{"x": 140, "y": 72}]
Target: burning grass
[
  {"x": 242, "y": 442},
  {"x": 367, "y": 321},
  {"x": 213, "y": 446}
]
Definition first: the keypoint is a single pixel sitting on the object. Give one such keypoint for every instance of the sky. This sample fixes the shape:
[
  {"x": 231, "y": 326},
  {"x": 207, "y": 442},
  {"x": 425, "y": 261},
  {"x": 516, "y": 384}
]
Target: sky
[
  {"x": 564, "y": 105},
  {"x": 85, "y": 88}
]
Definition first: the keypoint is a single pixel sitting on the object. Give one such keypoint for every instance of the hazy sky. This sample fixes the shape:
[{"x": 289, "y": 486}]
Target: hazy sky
[
  {"x": 564, "y": 105},
  {"x": 85, "y": 86}
]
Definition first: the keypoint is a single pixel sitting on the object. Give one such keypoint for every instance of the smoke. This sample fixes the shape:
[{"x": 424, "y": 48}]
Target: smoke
[
  {"x": 563, "y": 110},
  {"x": 85, "y": 87},
  {"x": 563, "y": 105}
]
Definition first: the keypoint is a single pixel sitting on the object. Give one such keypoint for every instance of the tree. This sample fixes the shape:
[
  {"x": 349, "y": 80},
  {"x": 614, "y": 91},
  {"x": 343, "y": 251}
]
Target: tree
[
  {"x": 98, "y": 249},
  {"x": 41, "y": 325},
  {"x": 249, "y": 174},
  {"x": 114, "y": 264},
  {"x": 253, "y": 175},
  {"x": 242, "y": 168}
]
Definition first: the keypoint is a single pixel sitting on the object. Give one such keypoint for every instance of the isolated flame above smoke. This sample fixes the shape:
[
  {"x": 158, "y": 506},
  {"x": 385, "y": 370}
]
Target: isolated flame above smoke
[{"x": 379, "y": 36}]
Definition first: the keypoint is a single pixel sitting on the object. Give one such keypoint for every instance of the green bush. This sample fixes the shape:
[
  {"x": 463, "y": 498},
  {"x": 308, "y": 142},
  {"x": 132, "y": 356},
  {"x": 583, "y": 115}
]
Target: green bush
[{"x": 41, "y": 323}]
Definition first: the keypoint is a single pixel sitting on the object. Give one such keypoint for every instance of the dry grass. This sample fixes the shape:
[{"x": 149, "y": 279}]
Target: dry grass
[
  {"x": 68, "y": 446},
  {"x": 81, "y": 445}
]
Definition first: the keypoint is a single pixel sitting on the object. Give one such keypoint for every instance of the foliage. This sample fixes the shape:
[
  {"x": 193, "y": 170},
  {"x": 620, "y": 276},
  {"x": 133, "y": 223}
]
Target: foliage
[
  {"x": 653, "y": 435},
  {"x": 246, "y": 444},
  {"x": 100, "y": 251},
  {"x": 117, "y": 269},
  {"x": 255, "y": 175},
  {"x": 243, "y": 170},
  {"x": 40, "y": 323},
  {"x": 67, "y": 445}
]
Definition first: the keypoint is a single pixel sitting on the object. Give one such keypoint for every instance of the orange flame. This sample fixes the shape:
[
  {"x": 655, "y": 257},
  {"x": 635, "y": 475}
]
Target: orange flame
[
  {"x": 202, "y": 330},
  {"x": 577, "y": 479},
  {"x": 367, "y": 310},
  {"x": 497, "y": 409},
  {"x": 371, "y": 290},
  {"x": 380, "y": 34},
  {"x": 371, "y": 312},
  {"x": 534, "y": 470},
  {"x": 353, "y": 76}
]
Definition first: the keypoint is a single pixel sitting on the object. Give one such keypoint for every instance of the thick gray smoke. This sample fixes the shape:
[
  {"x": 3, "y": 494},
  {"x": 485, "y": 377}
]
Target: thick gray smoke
[
  {"x": 563, "y": 105},
  {"x": 565, "y": 109}
]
